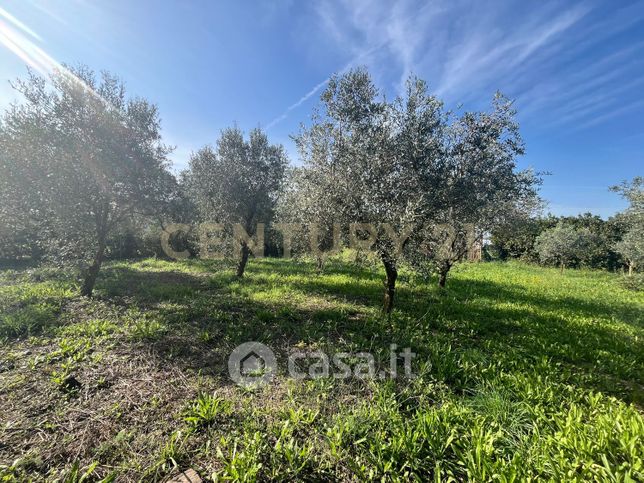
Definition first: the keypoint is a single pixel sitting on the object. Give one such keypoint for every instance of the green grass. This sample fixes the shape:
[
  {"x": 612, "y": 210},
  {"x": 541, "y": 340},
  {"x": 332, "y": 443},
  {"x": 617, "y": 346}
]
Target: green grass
[{"x": 521, "y": 373}]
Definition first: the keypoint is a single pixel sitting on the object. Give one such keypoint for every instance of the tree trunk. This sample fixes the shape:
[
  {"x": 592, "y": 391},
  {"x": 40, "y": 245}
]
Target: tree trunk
[
  {"x": 630, "y": 269},
  {"x": 563, "y": 265},
  {"x": 442, "y": 274},
  {"x": 241, "y": 266},
  {"x": 92, "y": 273},
  {"x": 390, "y": 284}
]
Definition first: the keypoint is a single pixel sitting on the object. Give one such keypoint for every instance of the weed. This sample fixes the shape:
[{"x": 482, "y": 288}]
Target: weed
[
  {"x": 206, "y": 410},
  {"x": 521, "y": 374}
]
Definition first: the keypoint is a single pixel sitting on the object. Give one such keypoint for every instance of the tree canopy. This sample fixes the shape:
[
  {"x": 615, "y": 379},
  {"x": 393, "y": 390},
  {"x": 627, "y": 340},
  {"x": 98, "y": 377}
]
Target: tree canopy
[
  {"x": 631, "y": 246},
  {"x": 409, "y": 164},
  {"x": 79, "y": 159},
  {"x": 237, "y": 183},
  {"x": 85, "y": 169},
  {"x": 562, "y": 244}
]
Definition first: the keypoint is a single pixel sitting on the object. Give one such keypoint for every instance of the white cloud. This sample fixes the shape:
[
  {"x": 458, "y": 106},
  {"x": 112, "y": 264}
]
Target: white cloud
[
  {"x": 490, "y": 51},
  {"x": 364, "y": 29},
  {"x": 466, "y": 48},
  {"x": 611, "y": 114},
  {"x": 553, "y": 57},
  {"x": 301, "y": 101}
]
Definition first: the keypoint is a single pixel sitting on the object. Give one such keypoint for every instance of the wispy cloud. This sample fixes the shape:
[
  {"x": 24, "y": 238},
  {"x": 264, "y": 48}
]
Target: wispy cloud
[
  {"x": 42, "y": 7},
  {"x": 468, "y": 50},
  {"x": 364, "y": 29},
  {"x": 396, "y": 32},
  {"x": 463, "y": 48},
  {"x": 585, "y": 91},
  {"x": 493, "y": 50},
  {"x": 297, "y": 104},
  {"x": 610, "y": 114}
]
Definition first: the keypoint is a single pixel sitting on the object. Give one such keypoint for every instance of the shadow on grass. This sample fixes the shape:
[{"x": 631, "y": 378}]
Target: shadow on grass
[
  {"x": 630, "y": 313},
  {"x": 195, "y": 319},
  {"x": 198, "y": 320}
]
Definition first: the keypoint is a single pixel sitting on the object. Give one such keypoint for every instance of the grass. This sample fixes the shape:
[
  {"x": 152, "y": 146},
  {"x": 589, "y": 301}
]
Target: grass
[{"x": 521, "y": 373}]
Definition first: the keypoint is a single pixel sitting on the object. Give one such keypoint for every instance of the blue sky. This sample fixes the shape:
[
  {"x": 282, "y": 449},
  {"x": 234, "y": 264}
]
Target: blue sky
[{"x": 576, "y": 69}]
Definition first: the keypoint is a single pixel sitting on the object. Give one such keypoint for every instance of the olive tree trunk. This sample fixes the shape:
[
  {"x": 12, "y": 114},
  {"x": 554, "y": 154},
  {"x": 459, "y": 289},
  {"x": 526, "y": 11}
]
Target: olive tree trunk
[
  {"x": 319, "y": 264},
  {"x": 390, "y": 283},
  {"x": 442, "y": 274},
  {"x": 92, "y": 272},
  {"x": 243, "y": 260}
]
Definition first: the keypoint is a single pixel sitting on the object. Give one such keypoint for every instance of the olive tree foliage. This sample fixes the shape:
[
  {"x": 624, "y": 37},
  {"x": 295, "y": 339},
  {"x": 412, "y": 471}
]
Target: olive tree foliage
[
  {"x": 79, "y": 158},
  {"x": 237, "y": 183},
  {"x": 516, "y": 237},
  {"x": 306, "y": 217},
  {"x": 410, "y": 170},
  {"x": 478, "y": 186},
  {"x": 21, "y": 233},
  {"x": 368, "y": 162},
  {"x": 631, "y": 246},
  {"x": 562, "y": 244}
]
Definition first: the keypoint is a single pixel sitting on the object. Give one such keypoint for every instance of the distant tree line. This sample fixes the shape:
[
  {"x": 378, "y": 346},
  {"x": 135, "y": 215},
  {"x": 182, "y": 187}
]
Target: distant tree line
[
  {"x": 87, "y": 178},
  {"x": 518, "y": 240},
  {"x": 583, "y": 241}
]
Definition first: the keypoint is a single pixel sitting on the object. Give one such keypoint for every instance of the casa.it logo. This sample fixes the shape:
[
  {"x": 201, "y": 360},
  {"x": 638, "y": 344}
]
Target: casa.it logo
[{"x": 252, "y": 364}]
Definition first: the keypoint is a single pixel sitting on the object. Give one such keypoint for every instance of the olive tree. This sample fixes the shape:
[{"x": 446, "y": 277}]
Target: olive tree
[
  {"x": 81, "y": 158},
  {"x": 236, "y": 183},
  {"x": 631, "y": 246},
  {"x": 306, "y": 217},
  {"x": 371, "y": 163},
  {"x": 479, "y": 185},
  {"x": 411, "y": 171},
  {"x": 561, "y": 245}
]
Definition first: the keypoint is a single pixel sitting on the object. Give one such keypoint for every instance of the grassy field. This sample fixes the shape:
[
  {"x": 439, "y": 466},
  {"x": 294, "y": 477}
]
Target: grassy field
[{"x": 521, "y": 373}]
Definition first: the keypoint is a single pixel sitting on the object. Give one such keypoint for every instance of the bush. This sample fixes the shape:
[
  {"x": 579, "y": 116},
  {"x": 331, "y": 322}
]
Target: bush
[
  {"x": 562, "y": 245},
  {"x": 634, "y": 282}
]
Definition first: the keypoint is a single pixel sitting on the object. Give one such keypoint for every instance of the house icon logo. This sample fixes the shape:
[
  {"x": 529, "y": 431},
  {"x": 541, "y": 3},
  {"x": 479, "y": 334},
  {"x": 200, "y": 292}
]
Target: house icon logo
[{"x": 252, "y": 364}]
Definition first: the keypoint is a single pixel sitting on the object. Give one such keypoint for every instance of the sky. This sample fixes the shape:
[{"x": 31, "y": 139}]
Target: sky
[{"x": 574, "y": 69}]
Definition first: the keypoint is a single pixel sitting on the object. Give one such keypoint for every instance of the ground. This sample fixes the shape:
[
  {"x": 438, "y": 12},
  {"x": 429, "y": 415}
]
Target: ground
[{"x": 521, "y": 372}]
